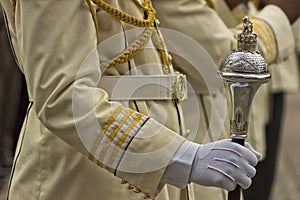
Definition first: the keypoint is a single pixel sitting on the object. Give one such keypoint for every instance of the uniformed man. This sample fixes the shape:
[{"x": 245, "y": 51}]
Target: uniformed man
[
  {"x": 54, "y": 46},
  {"x": 71, "y": 120}
]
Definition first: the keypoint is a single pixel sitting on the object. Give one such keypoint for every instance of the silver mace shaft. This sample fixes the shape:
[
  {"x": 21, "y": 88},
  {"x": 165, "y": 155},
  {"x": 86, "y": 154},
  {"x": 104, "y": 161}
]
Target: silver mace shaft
[{"x": 243, "y": 71}]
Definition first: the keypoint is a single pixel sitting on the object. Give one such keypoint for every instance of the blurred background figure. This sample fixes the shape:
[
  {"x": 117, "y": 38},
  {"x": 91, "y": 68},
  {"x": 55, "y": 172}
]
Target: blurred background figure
[
  {"x": 13, "y": 103},
  {"x": 283, "y": 82}
]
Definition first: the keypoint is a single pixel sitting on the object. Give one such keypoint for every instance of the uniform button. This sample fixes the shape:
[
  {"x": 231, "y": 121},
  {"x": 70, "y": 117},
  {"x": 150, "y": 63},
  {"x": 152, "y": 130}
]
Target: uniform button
[
  {"x": 130, "y": 187},
  {"x": 136, "y": 190},
  {"x": 123, "y": 181},
  {"x": 146, "y": 196}
]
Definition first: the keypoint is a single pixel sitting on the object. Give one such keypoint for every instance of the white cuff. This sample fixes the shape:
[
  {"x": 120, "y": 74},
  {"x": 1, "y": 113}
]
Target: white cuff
[{"x": 179, "y": 168}]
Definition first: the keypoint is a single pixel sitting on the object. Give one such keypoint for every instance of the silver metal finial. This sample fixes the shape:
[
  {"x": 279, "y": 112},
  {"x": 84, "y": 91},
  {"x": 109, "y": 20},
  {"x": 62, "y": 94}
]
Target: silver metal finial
[{"x": 243, "y": 70}]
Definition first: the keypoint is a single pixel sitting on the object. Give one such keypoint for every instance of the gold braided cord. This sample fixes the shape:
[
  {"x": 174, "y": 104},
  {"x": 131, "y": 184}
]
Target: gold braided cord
[
  {"x": 211, "y": 4},
  {"x": 266, "y": 34},
  {"x": 139, "y": 44},
  {"x": 160, "y": 45},
  {"x": 94, "y": 16},
  {"x": 140, "y": 5},
  {"x": 132, "y": 50},
  {"x": 256, "y": 3},
  {"x": 158, "y": 41},
  {"x": 149, "y": 22},
  {"x": 13, "y": 4}
]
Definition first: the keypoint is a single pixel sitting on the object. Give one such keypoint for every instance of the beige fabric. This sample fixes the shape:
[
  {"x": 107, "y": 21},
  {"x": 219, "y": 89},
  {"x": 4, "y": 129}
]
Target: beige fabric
[
  {"x": 53, "y": 42},
  {"x": 213, "y": 33}
]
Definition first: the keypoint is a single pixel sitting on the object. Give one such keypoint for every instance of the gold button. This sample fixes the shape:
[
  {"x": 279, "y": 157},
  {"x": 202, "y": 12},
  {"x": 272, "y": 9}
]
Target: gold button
[
  {"x": 170, "y": 59},
  {"x": 146, "y": 196},
  {"x": 136, "y": 190},
  {"x": 130, "y": 187},
  {"x": 157, "y": 22}
]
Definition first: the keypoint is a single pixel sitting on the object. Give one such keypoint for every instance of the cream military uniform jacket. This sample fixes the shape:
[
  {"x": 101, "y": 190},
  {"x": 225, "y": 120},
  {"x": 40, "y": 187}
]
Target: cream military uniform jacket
[
  {"x": 75, "y": 138},
  {"x": 61, "y": 152}
]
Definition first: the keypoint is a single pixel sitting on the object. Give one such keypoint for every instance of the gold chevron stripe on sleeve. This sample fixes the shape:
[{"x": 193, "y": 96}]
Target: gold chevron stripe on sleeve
[
  {"x": 114, "y": 155},
  {"x": 129, "y": 129},
  {"x": 121, "y": 126},
  {"x": 104, "y": 128}
]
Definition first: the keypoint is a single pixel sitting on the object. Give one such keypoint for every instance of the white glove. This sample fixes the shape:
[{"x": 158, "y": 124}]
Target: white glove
[{"x": 222, "y": 164}]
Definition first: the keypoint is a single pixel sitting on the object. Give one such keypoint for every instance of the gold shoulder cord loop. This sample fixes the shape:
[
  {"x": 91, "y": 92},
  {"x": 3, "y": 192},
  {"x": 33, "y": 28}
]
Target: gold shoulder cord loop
[
  {"x": 13, "y": 4},
  {"x": 139, "y": 44},
  {"x": 211, "y": 4},
  {"x": 129, "y": 18},
  {"x": 140, "y": 5},
  {"x": 132, "y": 50},
  {"x": 93, "y": 12}
]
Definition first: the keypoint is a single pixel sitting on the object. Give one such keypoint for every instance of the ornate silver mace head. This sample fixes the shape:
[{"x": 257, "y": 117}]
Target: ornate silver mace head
[{"x": 243, "y": 70}]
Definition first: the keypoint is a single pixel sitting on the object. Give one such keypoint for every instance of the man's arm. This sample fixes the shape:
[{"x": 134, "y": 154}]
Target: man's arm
[{"x": 57, "y": 42}]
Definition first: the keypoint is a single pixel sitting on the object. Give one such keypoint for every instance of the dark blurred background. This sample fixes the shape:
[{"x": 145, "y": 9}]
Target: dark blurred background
[{"x": 13, "y": 103}]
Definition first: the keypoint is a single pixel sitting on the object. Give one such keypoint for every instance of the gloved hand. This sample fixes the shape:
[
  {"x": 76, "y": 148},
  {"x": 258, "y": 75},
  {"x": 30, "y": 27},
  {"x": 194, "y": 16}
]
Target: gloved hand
[{"x": 224, "y": 164}]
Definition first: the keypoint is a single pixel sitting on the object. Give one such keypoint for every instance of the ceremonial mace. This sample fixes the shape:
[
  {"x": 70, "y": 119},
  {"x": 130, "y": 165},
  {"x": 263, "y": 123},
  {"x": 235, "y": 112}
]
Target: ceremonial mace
[{"x": 243, "y": 70}]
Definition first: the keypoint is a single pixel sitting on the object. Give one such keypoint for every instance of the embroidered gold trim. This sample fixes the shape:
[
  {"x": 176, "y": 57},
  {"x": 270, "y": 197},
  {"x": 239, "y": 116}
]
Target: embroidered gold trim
[{"x": 267, "y": 36}]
